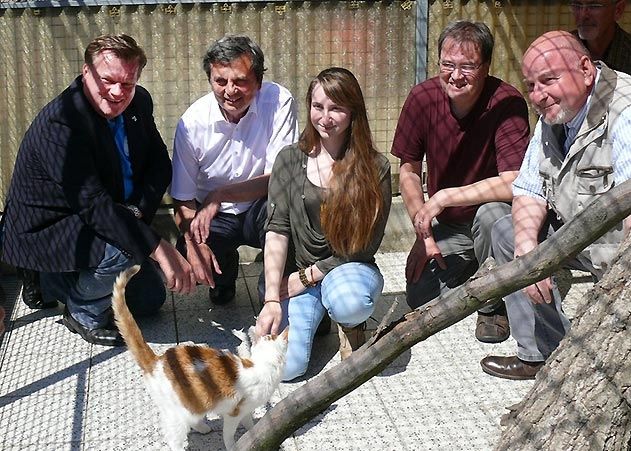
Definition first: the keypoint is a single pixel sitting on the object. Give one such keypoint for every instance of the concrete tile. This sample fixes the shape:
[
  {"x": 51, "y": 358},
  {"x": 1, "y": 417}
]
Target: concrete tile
[
  {"x": 199, "y": 298},
  {"x": 433, "y": 397},
  {"x": 169, "y": 305},
  {"x": 213, "y": 327},
  {"x": 158, "y": 329},
  {"x": 51, "y": 422},
  {"x": 66, "y": 446},
  {"x": 25, "y": 314},
  {"x": 125, "y": 414},
  {"x": 137, "y": 443},
  {"x": 345, "y": 425},
  {"x": 46, "y": 335},
  {"x": 115, "y": 369},
  {"x": 251, "y": 284},
  {"x": 128, "y": 419},
  {"x": 31, "y": 372},
  {"x": 252, "y": 269},
  {"x": 392, "y": 267}
]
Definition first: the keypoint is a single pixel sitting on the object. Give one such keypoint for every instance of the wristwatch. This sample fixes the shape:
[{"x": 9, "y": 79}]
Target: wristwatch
[{"x": 135, "y": 210}]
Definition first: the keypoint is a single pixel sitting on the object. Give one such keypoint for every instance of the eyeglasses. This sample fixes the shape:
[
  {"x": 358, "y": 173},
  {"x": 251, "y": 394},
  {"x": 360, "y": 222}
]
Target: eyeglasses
[
  {"x": 575, "y": 6},
  {"x": 465, "y": 69}
]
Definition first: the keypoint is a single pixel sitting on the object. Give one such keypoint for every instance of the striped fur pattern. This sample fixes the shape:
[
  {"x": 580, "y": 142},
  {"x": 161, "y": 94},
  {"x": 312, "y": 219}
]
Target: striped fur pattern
[{"x": 189, "y": 381}]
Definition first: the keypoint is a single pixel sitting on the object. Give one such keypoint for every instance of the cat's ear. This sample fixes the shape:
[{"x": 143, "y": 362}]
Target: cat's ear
[{"x": 285, "y": 334}]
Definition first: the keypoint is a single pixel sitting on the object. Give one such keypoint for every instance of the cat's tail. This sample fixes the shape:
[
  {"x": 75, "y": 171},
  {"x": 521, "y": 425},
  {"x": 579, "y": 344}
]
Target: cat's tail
[{"x": 127, "y": 326}]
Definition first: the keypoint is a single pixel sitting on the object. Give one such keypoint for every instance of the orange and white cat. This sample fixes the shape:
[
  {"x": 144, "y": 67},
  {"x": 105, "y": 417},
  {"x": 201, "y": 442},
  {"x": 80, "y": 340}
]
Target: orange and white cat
[{"x": 189, "y": 381}]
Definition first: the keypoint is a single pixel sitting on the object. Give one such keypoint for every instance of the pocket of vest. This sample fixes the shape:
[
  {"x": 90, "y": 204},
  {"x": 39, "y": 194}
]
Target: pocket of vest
[{"x": 594, "y": 180}]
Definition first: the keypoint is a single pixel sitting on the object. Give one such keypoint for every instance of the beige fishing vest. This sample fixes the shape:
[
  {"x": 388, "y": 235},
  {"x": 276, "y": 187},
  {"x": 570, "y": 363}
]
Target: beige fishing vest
[{"x": 572, "y": 183}]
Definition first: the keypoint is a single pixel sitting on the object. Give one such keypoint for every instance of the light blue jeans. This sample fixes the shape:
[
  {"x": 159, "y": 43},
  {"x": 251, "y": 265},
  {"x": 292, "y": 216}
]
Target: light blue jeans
[
  {"x": 347, "y": 293},
  {"x": 88, "y": 293}
]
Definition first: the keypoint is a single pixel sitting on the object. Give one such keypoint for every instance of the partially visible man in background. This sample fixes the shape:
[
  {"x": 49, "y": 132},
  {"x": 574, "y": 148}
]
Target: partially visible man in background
[{"x": 597, "y": 27}]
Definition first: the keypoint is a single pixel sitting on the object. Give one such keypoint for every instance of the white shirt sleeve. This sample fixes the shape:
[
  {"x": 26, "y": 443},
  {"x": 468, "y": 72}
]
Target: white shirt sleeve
[
  {"x": 285, "y": 131},
  {"x": 529, "y": 182},
  {"x": 621, "y": 151},
  {"x": 185, "y": 165}
]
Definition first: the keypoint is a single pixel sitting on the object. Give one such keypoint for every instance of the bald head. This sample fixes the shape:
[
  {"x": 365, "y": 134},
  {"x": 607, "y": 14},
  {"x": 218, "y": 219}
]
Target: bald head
[
  {"x": 559, "y": 75},
  {"x": 557, "y": 41}
]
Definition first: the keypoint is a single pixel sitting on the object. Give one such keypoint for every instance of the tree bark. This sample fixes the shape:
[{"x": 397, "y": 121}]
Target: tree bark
[
  {"x": 489, "y": 283},
  {"x": 582, "y": 398}
]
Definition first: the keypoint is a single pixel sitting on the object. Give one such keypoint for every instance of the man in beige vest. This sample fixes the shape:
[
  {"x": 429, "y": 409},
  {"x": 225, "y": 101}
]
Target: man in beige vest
[{"x": 581, "y": 148}]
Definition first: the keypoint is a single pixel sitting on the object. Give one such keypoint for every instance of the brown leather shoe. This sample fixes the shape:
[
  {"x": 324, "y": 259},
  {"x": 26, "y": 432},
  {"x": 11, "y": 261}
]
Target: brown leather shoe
[
  {"x": 351, "y": 339},
  {"x": 493, "y": 327},
  {"x": 510, "y": 367}
]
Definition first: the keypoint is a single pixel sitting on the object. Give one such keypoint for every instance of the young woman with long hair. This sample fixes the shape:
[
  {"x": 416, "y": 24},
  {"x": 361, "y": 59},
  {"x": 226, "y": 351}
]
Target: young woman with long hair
[{"x": 328, "y": 203}]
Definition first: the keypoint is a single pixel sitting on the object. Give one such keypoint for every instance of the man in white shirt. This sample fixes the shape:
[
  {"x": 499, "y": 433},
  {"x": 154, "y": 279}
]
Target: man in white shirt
[{"x": 224, "y": 149}]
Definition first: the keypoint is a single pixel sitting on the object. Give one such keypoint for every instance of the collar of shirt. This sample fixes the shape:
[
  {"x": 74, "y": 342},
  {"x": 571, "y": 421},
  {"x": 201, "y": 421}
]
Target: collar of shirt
[{"x": 572, "y": 127}]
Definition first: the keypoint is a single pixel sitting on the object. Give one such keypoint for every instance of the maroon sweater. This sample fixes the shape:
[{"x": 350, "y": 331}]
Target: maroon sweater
[{"x": 491, "y": 139}]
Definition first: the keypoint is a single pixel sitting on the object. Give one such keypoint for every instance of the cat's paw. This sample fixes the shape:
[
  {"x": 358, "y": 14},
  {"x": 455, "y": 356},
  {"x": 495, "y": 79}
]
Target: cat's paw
[{"x": 202, "y": 427}]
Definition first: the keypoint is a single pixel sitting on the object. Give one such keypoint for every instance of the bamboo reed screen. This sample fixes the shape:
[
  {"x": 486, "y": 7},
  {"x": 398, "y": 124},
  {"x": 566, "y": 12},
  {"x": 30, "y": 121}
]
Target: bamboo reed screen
[{"x": 41, "y": 50}]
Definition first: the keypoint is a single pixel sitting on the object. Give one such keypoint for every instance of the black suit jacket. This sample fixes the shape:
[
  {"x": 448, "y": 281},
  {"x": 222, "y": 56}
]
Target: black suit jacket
[{"x": 66, "y": 195}]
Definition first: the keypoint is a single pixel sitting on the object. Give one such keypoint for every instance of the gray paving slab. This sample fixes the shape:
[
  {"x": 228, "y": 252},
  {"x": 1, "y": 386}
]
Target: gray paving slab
[{"x": 59, "y": 393}]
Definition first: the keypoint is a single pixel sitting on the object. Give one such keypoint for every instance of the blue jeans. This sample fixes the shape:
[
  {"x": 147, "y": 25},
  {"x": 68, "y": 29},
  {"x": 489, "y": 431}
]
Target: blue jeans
[
  {"x": 347, "y": 293},
  {"x": 87, "y": 293}
]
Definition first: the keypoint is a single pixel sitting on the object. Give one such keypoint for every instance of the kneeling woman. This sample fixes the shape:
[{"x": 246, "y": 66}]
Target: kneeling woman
[{"x": 328, "y": 203}]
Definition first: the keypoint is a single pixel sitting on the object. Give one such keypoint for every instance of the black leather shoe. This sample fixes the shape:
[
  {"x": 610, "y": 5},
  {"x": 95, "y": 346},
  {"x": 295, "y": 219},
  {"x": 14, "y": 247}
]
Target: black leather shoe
[
  {"x": 221, "y": 295},
  {"x": 493, "y": 327},
  {"x": 100, "y": 336},
  {"x": 31, "y": 294},
  {"x": 510, "y": 367}
]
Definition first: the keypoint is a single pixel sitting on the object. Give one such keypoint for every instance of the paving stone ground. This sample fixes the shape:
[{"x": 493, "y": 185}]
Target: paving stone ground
[{"x": 58, "y": 392}]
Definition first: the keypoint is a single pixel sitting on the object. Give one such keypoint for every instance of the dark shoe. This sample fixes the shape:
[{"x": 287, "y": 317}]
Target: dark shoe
[
  {"x": 324, "y": 327},
  {"x": 493, "y": 327},
  {"x": 221, "y": 295},
  {"x": 31, "y": 293},
  {"x": 106, "y": 336},
  {"x": 510, "y": 367}
]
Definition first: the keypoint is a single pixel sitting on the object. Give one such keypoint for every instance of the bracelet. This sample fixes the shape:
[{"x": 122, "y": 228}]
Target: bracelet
[
  {"x": 272, "y": 301},
  {"x": 303, "y": 279},
  {"x": 313, "y": 281}
]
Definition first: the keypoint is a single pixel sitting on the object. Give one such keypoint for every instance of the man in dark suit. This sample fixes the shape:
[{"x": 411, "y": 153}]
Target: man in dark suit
[{"x": 89, "y": 176}]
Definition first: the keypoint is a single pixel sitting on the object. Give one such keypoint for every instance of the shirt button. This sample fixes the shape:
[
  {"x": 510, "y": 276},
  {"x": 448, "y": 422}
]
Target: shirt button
[
  {"x": 303, "y": 196},
  {"x": 592, "y": 189}
]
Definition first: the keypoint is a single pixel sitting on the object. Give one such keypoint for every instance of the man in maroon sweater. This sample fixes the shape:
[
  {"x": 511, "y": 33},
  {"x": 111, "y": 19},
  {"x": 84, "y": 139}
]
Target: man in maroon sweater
[{"x": 473, "y": 130}]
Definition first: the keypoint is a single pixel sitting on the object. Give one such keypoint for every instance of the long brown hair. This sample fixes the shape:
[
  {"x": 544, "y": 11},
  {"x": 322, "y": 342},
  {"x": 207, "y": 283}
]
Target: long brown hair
[{"x": 353, "y": 203}]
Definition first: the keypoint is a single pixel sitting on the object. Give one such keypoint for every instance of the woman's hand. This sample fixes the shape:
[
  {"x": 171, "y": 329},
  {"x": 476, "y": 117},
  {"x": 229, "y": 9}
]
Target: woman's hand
[{"x": 269, "y": 319}]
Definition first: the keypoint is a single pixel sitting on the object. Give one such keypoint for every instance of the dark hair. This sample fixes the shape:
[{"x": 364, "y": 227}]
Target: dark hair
[
  {"x": 476, "y": 33},
  {"x": 232, "y": 46},
  {"x": 353, "y": 203},
  {"x": 122, "y": 45}
]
